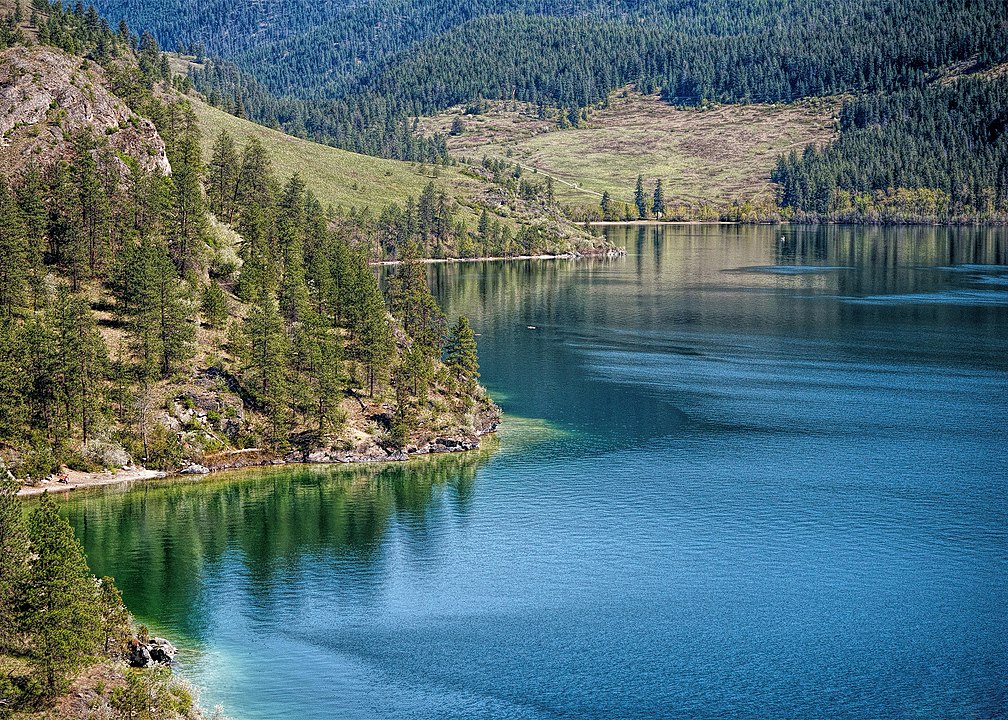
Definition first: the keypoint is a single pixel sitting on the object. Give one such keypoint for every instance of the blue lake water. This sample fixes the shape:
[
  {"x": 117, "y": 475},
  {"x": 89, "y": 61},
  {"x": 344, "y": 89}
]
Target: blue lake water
[{"x": 739, "y": 477}]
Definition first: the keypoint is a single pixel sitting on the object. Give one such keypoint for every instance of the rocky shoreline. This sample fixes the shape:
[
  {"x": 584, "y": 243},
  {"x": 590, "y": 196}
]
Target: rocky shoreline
[{"x": 369, "y": 452}]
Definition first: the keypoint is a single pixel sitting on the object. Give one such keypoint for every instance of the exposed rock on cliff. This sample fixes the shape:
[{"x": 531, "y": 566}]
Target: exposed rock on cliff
[{"x": 47, "y": 97}]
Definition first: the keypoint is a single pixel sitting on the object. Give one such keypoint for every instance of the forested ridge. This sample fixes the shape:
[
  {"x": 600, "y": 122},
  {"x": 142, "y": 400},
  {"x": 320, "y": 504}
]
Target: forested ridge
[
  {"x": 162, "y": 318},
  {"x": 715, "y": 51},
  {"x": 568, "y": 53},
  {"x": 936, "y": 152},
  {"x": 356, "y": 75}
]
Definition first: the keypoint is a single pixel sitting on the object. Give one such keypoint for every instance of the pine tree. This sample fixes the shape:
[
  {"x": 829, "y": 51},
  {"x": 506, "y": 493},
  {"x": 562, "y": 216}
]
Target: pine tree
[
  {"x": 189, "y": 212},
  {"x": 155, "y": 304},
  {"x": 606, "y": 206},
  {"x": 460, "y": 351},
  {"x": 14, "y": 255},
  {"x": 92, "y": 213},
  {"x": 60, "y": 597},
  {"x": 31, "y": 199},
  {"x": 325, "y": 376},
  {"x": 80, "y": 363},
  {"x": 115, "y": 618},
  {"x": 213, "y": 305},
  {"x": 13, "y": 555},
  {"x": 265, "y": 356},
  {"x": 483, "y": 231},
  {"x": 222, "y": 175},
  {"x": 658, "y": 204},
  {"x": 639, "y": 200},
  {"x": 370, "y": 327},
  {"x": 412, "y": 302}
]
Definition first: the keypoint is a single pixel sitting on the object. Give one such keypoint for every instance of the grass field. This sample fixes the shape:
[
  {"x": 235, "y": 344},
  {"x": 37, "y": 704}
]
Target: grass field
[
  {"x": 716, "y": 155},
  {"x": 338, "y": 177}
]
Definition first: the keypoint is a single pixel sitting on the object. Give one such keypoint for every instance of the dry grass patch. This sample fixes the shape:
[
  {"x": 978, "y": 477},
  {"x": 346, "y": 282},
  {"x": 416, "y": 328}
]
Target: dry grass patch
[{"x": 717, "y": 155}]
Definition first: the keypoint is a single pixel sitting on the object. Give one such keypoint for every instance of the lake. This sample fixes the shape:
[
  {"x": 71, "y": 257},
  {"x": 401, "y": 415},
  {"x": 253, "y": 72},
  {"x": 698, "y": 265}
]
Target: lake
[{"x": 745, "y": 472}]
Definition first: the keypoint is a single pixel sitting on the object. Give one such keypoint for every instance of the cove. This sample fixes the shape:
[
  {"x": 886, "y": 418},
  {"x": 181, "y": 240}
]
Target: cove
[{"x": 739, "y": 476}]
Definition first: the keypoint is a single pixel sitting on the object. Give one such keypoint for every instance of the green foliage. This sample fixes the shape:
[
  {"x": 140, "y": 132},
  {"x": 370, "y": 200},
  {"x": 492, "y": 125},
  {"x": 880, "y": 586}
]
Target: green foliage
[
  {"x": 79, "y": 363},
  {"x": 934, "y": 153},
  {"x": 639, "y": 199},
  {"x": 658, "y": 200},
  {"x": 61, "y": 604},
  {"x": 15, "y": 254},
  {"x": 154, "y": 303},
  {"x": 265, "y": 357},
  {"x": 76, "y": 30},
  {"x": 213, "y": 305},
  {"x": 53, "y": 611},
  {"x": 411, "y": 301},
  {"x": 115, "y": 618},
  {"x": 149, "y": 695},
  {"x": 460, "y": 351},
  {"x": 371, "y": 330},
  {"x": 606, "y": 206},
  {"x": 13, "y": 557}
]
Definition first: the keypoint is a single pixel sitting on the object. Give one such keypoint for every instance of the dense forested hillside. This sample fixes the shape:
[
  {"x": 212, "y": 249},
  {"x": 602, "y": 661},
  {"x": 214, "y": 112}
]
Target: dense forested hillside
[
  {"x": 368, "y": 67},
  {"x": 938, "y": 152},
  {"x": 572, "y": 53},
  {"x": 165, "y": 310},
  {"x": 357, "y": 75}
]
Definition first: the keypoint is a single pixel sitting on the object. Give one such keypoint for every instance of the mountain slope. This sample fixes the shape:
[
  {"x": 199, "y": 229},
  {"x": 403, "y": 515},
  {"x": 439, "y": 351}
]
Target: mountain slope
[
  {"x": 134, "y": 327},
  {"x": 47, "y": 97},
  {"x": 339, "y": 177},
  {"x": 348, "y": 180}
]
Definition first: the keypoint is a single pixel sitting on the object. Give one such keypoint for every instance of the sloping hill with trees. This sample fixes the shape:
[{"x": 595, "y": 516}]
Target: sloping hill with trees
[
  {"x": 356, "y": 76},
  {"x": 146, "y": 316},
  {"x": 467, "y": 197},
  {"x": 708, "y": 157}
]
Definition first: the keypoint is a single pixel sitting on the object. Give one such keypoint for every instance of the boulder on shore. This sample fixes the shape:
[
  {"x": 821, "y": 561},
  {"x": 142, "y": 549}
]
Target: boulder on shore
[{"x": 157, "y": 651}]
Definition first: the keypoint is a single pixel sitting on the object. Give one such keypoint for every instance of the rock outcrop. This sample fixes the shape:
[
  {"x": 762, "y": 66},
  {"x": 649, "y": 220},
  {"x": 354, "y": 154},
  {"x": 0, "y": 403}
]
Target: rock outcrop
[
  {"x": 156, "y": 651},
  {"x": 48, "y": 97}
]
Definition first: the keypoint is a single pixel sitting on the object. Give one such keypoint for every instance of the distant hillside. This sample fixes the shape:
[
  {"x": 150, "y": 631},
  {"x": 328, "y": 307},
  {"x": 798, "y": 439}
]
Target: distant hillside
[
  {"x": 353, "y": 74},
  {"x": 715, "y": 156}
]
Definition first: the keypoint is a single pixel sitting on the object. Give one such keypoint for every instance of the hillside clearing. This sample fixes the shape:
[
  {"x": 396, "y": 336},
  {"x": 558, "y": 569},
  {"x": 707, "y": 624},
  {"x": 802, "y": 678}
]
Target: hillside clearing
[{"x": 717, "y": 155}]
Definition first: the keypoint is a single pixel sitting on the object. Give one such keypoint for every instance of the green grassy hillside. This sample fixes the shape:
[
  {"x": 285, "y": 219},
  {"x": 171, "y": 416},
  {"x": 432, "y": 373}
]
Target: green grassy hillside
[
  {"x": 346, "y": 179},
  {"x": 338, "y": 177}
]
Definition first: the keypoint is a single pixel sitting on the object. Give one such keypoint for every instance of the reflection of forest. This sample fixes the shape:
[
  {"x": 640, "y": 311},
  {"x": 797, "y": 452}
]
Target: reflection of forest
[
  {"x": 879, "y": 260},
  {"x": 710, "y": 291},
  {"x": 158, "y": 540}
]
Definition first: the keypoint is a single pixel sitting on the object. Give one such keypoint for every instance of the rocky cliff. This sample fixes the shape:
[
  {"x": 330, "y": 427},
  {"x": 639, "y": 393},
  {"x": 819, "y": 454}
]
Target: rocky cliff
[{"x": 48, "y": 97}]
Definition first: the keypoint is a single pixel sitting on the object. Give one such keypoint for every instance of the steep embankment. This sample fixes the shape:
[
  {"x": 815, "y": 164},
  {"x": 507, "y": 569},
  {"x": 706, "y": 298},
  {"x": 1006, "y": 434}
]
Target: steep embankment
[{"x": 718, "y": 155}]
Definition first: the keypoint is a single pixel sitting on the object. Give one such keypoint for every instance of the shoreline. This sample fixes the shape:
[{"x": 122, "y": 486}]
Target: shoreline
[
  {"x": 998, "y": 223},
  {"x": 80, "y": 480},
  {"x": 612, "y": 253}
]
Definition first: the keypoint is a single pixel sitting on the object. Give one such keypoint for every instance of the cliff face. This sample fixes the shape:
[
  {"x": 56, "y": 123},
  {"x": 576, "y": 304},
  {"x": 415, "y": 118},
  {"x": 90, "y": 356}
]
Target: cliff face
[{"x": 47, "y": 97}]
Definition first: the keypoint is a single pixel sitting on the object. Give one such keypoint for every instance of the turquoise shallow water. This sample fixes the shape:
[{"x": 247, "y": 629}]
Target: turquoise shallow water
[{"x": 740, "y": 477}]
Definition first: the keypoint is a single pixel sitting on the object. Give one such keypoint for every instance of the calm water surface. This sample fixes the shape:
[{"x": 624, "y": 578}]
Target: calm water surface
[{"x": 740, "y": 477}]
